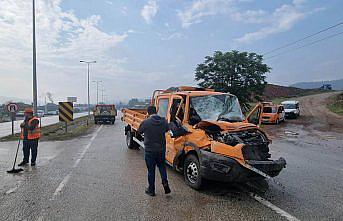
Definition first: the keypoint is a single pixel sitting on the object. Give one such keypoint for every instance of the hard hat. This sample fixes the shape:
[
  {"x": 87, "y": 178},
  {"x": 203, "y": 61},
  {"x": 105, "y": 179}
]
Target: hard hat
[{"x": 28, "y": 111}]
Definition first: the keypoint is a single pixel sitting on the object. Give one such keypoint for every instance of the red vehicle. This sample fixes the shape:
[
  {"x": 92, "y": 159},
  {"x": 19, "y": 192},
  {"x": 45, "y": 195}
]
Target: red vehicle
[{"x": 105, "y": 113}]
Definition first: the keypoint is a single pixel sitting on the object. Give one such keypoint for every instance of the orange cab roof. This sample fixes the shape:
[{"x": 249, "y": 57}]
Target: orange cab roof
[{"x": 191, "y": 91}]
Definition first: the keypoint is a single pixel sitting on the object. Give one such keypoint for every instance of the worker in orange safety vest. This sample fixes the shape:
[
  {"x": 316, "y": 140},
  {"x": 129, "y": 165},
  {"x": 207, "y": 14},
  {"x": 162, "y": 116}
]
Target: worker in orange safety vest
[{"x": 30, "y": 134}]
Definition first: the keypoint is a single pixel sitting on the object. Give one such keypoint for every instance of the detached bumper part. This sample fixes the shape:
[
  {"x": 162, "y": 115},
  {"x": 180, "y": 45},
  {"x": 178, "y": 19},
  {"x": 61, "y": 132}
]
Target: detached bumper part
[
  {"x": 220, "y": 168},
  {"x": 270, "y": 167}
]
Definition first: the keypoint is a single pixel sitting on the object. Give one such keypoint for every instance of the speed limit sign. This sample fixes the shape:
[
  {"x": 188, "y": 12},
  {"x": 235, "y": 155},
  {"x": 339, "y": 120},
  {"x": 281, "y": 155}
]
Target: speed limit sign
[{"x": 12, "y": 108}]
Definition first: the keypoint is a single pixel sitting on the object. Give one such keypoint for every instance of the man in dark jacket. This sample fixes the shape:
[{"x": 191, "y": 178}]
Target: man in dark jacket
[{"x": 154, "y": 129}]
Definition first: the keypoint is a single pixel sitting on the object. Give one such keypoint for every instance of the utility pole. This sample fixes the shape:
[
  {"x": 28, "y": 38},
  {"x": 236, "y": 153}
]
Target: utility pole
[
  {"x": 97, "y": 91},
  {"x": 34, "y": 77},
  {"x": 46, "y": 106},
  {"x": 88, "y": 98},
  {"x": 102, "y": 95}
]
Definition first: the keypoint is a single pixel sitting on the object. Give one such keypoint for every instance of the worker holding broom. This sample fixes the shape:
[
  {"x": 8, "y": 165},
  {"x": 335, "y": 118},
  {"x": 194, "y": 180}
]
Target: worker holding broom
[{"x": 30, "y": 134}]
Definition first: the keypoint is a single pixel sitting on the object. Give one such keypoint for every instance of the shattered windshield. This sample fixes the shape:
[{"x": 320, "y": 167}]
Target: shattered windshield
[{"x": 223, "y": 107}]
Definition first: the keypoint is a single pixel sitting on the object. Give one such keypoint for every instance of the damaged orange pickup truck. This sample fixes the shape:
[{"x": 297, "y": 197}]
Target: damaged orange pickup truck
[{"x": 209, "y": 136}]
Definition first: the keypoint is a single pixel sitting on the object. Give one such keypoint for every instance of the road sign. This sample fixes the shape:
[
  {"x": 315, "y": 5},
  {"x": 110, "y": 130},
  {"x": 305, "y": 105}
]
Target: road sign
[
  {"x": 12, "y": 108},
  {"x": 72, "y": 99},
  {"x": 65, "y": 111}
]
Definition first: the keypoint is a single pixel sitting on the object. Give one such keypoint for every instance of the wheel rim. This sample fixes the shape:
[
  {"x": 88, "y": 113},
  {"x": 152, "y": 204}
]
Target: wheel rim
[{"x": 192, "y": 172}]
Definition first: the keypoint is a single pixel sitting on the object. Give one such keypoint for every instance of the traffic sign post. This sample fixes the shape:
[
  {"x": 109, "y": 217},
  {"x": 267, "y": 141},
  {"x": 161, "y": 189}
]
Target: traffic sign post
[
  {"x": 66, "y": 113},
  {"x": 12, "y": 108}
]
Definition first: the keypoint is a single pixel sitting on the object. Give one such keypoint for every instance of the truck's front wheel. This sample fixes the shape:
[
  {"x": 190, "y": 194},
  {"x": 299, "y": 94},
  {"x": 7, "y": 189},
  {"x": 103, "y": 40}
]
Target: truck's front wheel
[
  {"x": 131, "y": 144},
  {"x": 192, "y": 172}
]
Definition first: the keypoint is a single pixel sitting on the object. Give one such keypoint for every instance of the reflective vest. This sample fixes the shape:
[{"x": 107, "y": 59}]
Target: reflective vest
[{"x": 32, "y": 134}]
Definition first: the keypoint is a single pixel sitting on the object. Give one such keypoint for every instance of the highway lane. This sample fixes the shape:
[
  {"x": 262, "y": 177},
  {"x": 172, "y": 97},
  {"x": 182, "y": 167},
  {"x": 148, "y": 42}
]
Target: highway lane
[
  {"x": 95, "y": 177},
  {"x": 6, "y": 128}
]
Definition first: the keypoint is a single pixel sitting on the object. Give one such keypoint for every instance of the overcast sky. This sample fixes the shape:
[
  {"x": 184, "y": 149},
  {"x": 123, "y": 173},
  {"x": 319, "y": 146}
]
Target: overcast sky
[{"x": 142, "y": 45}]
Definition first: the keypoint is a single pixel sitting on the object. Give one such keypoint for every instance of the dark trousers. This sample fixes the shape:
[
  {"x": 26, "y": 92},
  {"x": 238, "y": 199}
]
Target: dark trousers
[
  {"x": 153, "y": 159},
  {"x": 27, "y": 146}
]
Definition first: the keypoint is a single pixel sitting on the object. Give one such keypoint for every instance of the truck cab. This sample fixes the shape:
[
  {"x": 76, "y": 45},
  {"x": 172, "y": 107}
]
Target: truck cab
[{"x": 209, "y": 136}]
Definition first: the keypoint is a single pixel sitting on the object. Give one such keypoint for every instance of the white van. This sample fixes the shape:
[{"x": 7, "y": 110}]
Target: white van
[{"x": 292, "y": 109}]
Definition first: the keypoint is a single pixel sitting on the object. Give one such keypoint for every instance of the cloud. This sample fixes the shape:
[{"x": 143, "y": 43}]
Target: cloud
[
  {"x": 124, "y": 10},
  {"x": 173, "y": 36},
  {"x": 279, "y": 20},
  {"x": 282, "y": 19},
  {"x": 249, "y": 16},
  {"x": 109, "y": 2},
  {"x": 200, "y": 9},
  {"x": 62, "y": 40},
  {"x": 149, "y": 11}
]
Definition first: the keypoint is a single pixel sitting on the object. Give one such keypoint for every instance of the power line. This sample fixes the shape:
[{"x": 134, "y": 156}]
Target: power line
[
  {"x": 304, "y": 38},
  {"x": 306, "y": 45}
]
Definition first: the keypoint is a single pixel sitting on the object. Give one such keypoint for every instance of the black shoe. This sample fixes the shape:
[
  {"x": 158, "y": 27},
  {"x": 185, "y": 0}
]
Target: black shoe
[
  {"x": 150, "y": 193},
  {"x": 33, "y": 164},
  {"x": 166, "y": 189},
  {"x": 22, "y": 164}
]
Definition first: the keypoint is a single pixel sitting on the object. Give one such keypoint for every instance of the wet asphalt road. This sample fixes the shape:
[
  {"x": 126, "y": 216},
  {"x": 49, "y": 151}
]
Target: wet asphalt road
[{"x": 96, "y": 177}]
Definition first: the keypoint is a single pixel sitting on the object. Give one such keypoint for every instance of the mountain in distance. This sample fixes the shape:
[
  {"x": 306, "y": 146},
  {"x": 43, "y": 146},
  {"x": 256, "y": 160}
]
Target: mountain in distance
[{"x": 336, "y": 84}]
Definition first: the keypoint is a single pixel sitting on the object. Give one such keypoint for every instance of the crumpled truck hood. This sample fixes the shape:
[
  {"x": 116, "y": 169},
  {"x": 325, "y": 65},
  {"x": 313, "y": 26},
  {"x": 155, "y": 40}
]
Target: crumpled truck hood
[{"x": 226, "y": 126}]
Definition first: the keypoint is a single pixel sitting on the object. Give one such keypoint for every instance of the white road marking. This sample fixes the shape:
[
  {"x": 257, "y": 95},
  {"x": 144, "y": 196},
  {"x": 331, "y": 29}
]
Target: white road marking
[
  {"x": 66, "y": 178},
  {"x": 11, "y": 190},
  {"x": 273, "y": 207}
]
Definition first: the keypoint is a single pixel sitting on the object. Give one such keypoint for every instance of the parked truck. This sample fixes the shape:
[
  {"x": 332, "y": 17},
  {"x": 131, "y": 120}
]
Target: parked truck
[
  {"x": 209, "y": 136},
  {"x": 105, "y": 113}
]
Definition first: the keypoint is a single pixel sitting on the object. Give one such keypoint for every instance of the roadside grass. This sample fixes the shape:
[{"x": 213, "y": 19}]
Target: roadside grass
[
  {"x": 336, "y": 104},
  {"x": 57, "y": 132}
]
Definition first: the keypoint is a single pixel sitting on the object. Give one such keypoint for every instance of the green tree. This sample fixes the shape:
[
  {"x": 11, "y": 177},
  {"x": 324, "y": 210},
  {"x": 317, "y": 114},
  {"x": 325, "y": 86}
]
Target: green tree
[{"x": 240, "y": 73}]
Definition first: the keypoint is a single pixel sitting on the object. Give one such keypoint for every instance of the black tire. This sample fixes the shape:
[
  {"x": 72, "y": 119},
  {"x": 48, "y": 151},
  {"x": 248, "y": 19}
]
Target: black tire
[
  {"x": 95, "y": 122},
  {"x": 191, "y": 172},
  {"x": 130, "y": 143}
]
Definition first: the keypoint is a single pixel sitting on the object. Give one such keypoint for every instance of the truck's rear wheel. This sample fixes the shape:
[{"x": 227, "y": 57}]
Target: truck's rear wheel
[
  {"x": 131, "y": 144},
  {"x": 191, "y": 172}
]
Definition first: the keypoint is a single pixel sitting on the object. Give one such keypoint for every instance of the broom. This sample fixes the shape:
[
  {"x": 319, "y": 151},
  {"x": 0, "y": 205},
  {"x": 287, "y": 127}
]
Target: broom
[{"x": 14, "y": 170}]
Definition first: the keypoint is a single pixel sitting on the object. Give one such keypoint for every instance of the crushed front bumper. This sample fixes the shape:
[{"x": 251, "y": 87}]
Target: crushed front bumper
[{"x": 225, "y": 169}]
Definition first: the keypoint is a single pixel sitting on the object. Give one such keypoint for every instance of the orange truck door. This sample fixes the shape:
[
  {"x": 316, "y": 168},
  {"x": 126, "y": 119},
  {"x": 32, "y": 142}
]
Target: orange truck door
[
  {"x": 255, "y": 116},
  {"x": 174, "y": 144}
]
